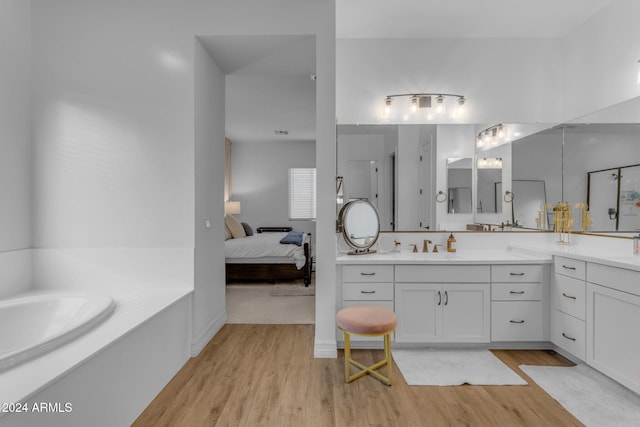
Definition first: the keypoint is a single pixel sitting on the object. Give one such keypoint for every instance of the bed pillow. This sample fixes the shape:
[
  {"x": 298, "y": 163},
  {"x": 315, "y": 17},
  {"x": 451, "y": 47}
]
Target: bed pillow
[
  {"x": 227, "y": 233},
  {"x": 293, "y": 237},
  {"x": 247, "y": 229},
  {"x": 236, "y": 228}
]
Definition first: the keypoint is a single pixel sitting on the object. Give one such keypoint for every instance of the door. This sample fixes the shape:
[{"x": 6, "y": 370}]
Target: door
[
  {"x": 419, "y": 312},
  {"x": 466, "y": 312},
  {"x": 603, "y": 199}
]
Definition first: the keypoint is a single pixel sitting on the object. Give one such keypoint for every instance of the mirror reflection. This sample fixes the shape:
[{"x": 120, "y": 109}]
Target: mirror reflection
[
  {"x": 360, "y": 225},
  {"x": 459, "y": 182},
  {"x": 592, "y": 160}
]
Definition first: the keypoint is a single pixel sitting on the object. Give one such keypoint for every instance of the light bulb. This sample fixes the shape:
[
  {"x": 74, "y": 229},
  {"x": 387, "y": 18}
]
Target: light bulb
[
  {"x": 461, "y": 108},
  {"x": 414, "y": 104},
  {"x": 387, "y": 106},
  {"x": 501, "y": 132},
  {"x": 440, "y": 104}
]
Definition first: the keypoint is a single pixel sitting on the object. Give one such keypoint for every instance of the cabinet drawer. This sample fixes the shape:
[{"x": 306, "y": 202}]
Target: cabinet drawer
[
  {"x": 516, "y": 291},
  {"x": 367, "y": 273},
  {"x": 367, "y": 291},
  {"x": 569, "y": 296},
  {"x": 517, "y": 273},
  {"x": 570, "y": 267},
  {"x": 613, "y": 277},
  {"x": 443, "y": 273},
  {"x": 568, "y": 333},
  {"x": 516, "y": 321}
]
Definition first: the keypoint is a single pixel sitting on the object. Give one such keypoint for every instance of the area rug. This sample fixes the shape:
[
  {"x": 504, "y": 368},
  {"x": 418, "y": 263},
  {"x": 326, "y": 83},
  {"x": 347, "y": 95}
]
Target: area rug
[
  {"x": 280, "y": 290},
  {"x": 438, "y": 367},
  {"x": 591, "y": 397}
]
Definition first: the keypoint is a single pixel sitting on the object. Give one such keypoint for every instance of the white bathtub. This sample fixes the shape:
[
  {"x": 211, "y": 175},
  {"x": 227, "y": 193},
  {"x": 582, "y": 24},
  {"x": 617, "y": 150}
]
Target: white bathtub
[{"x": 32, "y": 325}]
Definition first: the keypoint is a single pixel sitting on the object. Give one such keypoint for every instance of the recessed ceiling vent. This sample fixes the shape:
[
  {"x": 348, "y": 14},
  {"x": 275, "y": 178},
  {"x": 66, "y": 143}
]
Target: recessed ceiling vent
[{"x": 281, "y": 132}]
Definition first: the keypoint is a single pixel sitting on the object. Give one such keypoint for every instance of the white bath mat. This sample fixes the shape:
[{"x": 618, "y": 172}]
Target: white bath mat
[
  {"x": 454, "y": 367},
  {"x": 593, "y": 398}
]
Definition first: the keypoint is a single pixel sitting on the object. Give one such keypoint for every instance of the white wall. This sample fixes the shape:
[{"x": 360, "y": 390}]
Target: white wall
[
  {"x": 15, "y": 146},
  {"x": 260, "y": 176},
  {"x": 505, "y": 80},
  {"x": 114, "y": 126},
  {"x": 601, "y": 59},
  {"x": 209, "y": 310}
]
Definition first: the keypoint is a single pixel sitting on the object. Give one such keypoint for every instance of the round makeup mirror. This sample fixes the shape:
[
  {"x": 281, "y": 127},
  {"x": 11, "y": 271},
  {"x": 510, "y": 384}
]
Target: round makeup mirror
[{"x": 360, "y": 226}]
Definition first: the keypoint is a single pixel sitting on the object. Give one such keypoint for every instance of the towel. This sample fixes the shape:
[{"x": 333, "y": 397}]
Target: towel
[{"x": 293, "y": 237}]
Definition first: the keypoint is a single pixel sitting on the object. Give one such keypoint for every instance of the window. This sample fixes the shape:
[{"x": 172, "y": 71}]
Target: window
[{"x": 302, "y": 193}]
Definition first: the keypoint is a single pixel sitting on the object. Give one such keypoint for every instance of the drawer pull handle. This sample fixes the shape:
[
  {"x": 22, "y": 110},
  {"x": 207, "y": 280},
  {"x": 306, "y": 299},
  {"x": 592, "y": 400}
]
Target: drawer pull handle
[
  {"x": 439, "y": 298},
  {"x": 568, "y": 296},
  {"x": 516, "y": 321},
  {"x": 517, "y": 274},
  {"x": 568, "y": 267},
  {"x": 446, "y": 297},
  {"x": 516, "y": 292},
  {"x": 568, "y": 337},
  {"x": 367, "y": 274},
  {"x": 367, "y": 292}
]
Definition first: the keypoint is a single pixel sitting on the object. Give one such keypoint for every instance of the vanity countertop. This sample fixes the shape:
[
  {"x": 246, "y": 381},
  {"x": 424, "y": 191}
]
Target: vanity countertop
[
  {"x": 460, "y": 257},
  {"x": 584, "y": 253}
]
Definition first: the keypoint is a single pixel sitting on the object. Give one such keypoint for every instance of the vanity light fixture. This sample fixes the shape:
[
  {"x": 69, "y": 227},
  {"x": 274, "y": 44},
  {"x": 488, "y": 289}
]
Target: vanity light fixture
[
  {"x": 490, "y": 163},
  {"x": 492, "y": 136},
  {"x": 433, "y": 104},
  {"x": 339, "y": 190}
]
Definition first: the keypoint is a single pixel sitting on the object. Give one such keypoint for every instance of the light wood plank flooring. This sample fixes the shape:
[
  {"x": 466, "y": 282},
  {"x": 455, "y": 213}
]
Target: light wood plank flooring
[{"x": 265, "y": 375}]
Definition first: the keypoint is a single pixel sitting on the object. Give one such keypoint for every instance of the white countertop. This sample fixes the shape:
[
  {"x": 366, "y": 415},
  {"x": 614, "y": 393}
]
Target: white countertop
[
  {"x": 584, "y": 253},
  {"x": 460, "y": 257}
]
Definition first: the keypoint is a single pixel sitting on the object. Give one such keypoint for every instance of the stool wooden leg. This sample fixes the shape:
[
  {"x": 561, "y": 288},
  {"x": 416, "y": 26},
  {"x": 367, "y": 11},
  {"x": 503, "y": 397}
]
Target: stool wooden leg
[{"x": 347, "y": 355}]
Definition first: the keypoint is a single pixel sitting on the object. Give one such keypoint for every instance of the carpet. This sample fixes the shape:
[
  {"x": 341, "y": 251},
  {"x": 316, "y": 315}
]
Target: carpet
[
  {"x": 441, "y": 367},
  {"x": 591, "y": 397},
  {"x": 292, "y": 290},
  {"x": 253, "y": 304}
]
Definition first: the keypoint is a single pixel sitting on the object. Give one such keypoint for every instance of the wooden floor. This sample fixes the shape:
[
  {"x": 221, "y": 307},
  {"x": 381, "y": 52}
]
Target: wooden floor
[{"x": 265, "y": 375}]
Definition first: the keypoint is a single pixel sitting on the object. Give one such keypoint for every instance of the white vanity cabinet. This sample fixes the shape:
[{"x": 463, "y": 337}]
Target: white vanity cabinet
[
  {"x": 437, "y": 303},
  {"x": 370, "y": 284},
  {"x": 613, "y": 323},
  {"x": 517, "y": 310},
  {"x": 568, "y": 306}
]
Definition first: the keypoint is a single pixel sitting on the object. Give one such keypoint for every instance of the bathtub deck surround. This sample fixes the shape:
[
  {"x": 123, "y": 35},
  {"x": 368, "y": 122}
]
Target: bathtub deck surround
[
  {"x": 150, "y": 329},
  {"x": 147, "y": 328}
]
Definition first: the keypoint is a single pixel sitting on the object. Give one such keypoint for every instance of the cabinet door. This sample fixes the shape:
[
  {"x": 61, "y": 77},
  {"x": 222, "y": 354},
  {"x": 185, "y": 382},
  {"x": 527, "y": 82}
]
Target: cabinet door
[
  {"x": 419, "y": 312},
  {"x": 613, "y": 335},
  {"x": 466, "y": 312}
]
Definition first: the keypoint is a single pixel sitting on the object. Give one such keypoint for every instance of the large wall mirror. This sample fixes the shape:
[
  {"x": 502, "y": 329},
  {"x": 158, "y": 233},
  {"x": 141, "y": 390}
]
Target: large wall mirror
[{"x": 593, "y": 159}]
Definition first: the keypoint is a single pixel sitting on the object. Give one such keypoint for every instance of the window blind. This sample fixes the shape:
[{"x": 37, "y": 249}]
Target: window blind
[{"x": 302, "y": 194}]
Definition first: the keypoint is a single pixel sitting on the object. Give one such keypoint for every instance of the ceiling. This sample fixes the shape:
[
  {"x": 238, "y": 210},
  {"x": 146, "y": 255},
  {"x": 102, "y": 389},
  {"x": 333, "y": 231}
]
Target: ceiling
[
  {"x": 269, "y": 78},
  {"x": 461, "y": 18}
]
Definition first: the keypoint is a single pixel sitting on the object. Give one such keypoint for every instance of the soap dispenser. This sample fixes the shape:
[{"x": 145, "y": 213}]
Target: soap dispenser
[{"x": 451, "y": 243}]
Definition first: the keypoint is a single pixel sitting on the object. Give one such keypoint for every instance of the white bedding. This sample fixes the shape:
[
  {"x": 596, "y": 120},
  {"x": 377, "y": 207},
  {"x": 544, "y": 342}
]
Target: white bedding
[{"x": 264, "y": 245}]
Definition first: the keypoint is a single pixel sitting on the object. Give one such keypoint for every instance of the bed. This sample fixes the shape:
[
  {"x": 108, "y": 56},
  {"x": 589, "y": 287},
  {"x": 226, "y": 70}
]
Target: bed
[{"x": 261, "y": 257}]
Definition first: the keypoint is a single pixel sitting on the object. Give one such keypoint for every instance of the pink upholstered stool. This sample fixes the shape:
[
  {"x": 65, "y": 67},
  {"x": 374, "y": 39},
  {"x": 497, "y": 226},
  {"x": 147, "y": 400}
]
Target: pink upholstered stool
[{"x": 371, "y": 321}]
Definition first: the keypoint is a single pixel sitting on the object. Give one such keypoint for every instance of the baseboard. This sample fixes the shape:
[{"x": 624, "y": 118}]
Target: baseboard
[
  {"x": 207, "y": 334},
  {"x": 325, "y": 350}
]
